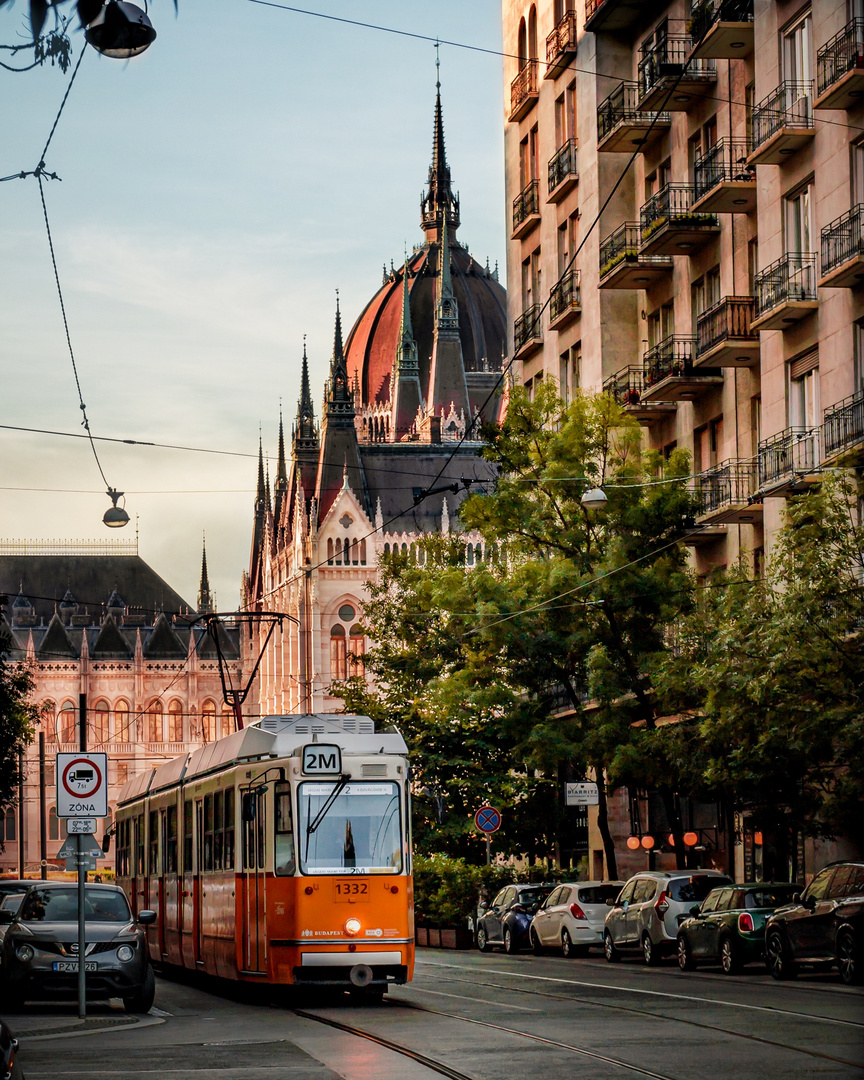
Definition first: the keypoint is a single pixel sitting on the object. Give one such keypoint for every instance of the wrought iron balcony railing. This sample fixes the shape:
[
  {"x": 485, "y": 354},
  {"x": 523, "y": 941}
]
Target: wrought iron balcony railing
[
  {"x": 524, "y": 86},
  {"x": 527, "y": 327},
  {"x": 844, "y": 424},
  {"x": 789, "y": 106},
  {"x": 844, "y": 52},
  {"x": 843, "y": 239},
  {"x": 666, "y": 59},
  {"x": 562, "y": 39},
  {"x": 621, "y": 107},
  {"x": 794, "y": 450},
  {"x": 791, "y": 277},
  {"x": 704, "y": 14},
  {"x": 672, "y": 356},
  {"x": 565, "y": 295},
  {"x": 725, "y": 161},
  {"x": 671, "y": 206},
  {"x": 731, "y": 483},
  {"x": 626, "y": 385},
  {"x": 729, "y": 318},
  {"x": 526, "y": 203},
  {"x": 562, "y": 165}
]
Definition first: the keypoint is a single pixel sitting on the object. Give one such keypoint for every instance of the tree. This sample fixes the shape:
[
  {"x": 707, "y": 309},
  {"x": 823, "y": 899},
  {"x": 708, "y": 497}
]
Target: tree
[{"x": 18, "y": 718}]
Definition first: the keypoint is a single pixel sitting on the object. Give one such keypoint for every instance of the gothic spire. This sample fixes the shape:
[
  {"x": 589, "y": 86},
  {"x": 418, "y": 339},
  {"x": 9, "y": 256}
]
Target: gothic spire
[
  {"x": 340, "y": 400},
  {"x": 405, "y": 394},
  {"x": 281, "y": 470},
  {"x": 407, "y": 355},
  {"x": 261, "y": 493},
  {"x": 439, "y": 201},
  {"x": 446, "y": 310},
  {"x": 205, "y": 603},
  {"x": 305, "y": 432}
]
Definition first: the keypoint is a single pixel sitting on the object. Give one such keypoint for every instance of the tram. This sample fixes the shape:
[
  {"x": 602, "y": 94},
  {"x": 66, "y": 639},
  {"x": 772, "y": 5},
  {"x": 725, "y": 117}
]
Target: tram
[{"x": 280, "y": 854}]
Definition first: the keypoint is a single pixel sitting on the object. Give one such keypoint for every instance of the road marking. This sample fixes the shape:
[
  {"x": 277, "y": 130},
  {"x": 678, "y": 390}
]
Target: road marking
[
  {"x": 159, "y": 1012},
  {"x": 476, "y": 1000},
  {"x": 651, "y": 993}
]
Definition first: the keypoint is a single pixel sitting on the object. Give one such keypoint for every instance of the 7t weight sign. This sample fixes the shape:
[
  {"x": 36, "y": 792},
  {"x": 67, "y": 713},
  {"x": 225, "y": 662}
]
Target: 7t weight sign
[{"x": 82, "y": 785}]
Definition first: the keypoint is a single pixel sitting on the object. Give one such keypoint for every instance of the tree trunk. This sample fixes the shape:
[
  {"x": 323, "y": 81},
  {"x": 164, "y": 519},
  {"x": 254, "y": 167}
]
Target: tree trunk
[
  {"x": 603, "y": 825},
  {"x": 673, "y": 816}
]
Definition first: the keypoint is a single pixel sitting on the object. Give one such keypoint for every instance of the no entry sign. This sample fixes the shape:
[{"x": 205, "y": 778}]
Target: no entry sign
[{"x": 82, "y": 785}]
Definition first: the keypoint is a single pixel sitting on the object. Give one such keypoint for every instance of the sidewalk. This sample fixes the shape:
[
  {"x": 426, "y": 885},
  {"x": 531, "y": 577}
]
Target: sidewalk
[{"x": 46, "y": 1024}]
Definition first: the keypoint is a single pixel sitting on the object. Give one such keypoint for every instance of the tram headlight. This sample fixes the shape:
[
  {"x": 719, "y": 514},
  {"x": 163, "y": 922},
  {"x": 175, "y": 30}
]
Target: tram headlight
[{"x": 352, "y": 927}]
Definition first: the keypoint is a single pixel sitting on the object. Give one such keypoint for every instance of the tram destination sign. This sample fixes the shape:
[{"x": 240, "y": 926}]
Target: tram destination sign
[
  {"x": 82, "y": 785},
  {"x": 322, "y": 759}
]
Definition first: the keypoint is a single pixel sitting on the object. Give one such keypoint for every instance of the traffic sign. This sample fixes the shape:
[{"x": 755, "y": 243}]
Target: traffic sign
[
  {"x": 488, "y": 819},
  {"x": 582, "y": 794},
  {"x": 83, "y": 845},
  {"x": 80, "y": 826},
  {"x": 82, "y": 785}
]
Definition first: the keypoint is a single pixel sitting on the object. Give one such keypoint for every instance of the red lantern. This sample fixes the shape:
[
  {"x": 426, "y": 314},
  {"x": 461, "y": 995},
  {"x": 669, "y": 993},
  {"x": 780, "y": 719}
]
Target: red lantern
[
  {"x": 633, "y": 843},
  {"x": 647, "y": 842},
  {"x": 757, "y": 839},
  {"x": 691, "y": 839}
]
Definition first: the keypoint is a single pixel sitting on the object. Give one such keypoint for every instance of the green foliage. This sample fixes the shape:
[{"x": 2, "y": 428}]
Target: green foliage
[
  {"x": 446, "y": 890},
  {"x": 17, "y": 721}
]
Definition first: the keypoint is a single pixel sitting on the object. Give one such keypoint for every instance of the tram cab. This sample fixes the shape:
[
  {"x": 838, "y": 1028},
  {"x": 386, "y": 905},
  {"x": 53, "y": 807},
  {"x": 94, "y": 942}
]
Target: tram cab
[{"x": 279, "y": 854}]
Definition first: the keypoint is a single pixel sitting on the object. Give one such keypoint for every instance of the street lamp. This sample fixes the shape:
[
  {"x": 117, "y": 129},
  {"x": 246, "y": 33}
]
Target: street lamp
[
  {"x": 594, "y": 499},
  {"x": 120, "y": 30},
  {"x": 115, "y": 517}
]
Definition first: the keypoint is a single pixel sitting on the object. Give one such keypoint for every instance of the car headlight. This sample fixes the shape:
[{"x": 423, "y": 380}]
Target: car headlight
[
  {"x": 125, "y": 953},
  {"x": 25, "y": 953}
]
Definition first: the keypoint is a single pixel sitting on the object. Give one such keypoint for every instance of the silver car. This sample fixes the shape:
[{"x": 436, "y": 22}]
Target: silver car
[
  {"x": 646, "y": 915},
  {"x": 571, "y": 917}
]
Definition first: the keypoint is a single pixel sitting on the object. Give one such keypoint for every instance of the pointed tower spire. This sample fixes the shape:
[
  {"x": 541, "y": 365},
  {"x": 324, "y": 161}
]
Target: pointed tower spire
[
  {"x": 340, "y": 400},
  {"x": 205, "y": 604},
  {"x": 405, "y": 396},
  {"x": 281, "y": 487},
  {"x": 305, "y": 431},
  {"x": 448, "y": 386},
  {"x": 439, "y": 202},
  {"x": 446, "y": 309},
  {"x": 261, "y": 492}
]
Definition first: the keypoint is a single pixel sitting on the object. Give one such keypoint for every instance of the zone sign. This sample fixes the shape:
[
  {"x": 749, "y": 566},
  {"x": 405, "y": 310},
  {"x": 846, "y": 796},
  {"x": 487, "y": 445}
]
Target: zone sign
[{"x": 82, "y": 785}]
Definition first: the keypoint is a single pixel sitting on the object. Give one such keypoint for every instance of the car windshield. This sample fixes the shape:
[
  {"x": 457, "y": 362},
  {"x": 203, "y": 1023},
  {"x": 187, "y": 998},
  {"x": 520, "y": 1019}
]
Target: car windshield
[
  {"x": 772, "y": 897},
  {"x": 531, "y": 899},
  {"x": 11, "y": 901},
  {"x": 598, "y": 894},
  {"x": 696, "y": 888},
  {"x": 61, "y": 905},
  {"x": 360, "y": 832}
]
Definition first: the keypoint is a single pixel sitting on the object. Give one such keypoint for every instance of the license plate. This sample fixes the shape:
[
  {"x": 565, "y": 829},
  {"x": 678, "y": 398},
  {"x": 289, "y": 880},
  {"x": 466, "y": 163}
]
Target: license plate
[
  {"x": 72, "y": 965},
  {"x": 351, "y": 892}
]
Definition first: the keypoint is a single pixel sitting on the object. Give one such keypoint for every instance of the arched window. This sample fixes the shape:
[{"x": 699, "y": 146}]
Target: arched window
[
  {"x": 469, "y": 555},
  {"x": 386, "y": 549},
  {"x": 49, "y": 721},
  {"x": 7, "y": 826},
  {"x": 67, "y": 722},
  {"x": 532, "y": 33},
  {"x": 53, "y": 824},
  {"x": 362, "y": 552},
  {"x": 175, "y": 721},
  {"x": 478, "y": 553},
  {"x": 338, "y": 550},
  {"x": 357, "y": 650},
  {"x": 523, "y": 44},
  {"x": 338, "y": 653},
  {"x": 330, "y": 550},
  {"x": 101, "y": 715},
  {"x": 227, "y": 720},
  {"x": 121, "y": 722},
  {"x": 155, "y": 727},
  {"x": 208, "y": 721}
]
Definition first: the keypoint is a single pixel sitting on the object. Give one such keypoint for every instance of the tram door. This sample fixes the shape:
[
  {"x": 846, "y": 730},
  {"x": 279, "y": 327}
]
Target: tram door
[
  {"x": 255, "y": 881},
  {"x": 199, "y": 892}
]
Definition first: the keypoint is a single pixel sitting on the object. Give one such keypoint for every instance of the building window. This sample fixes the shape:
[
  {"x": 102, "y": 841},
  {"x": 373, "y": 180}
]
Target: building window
[
  {"x": 338, "y": 653},
  {"x": 7, "y": 826},
  {"x": 227, "y": 720},
  {"x": 101, "y": 716},
  {"x": 755, "y": 424},
  {"x": 67, "y": 723},
  {"x": 121, "y": 722},
  {"x": 798, "y": 50},
  {"x": 797, "y": 221},
  {"x": 155, "y": 729},
  {"x": 802, "y": 401},
  {"x": 49, "y": 721},
  {"x": 708, "y": 444},
  {"x": 357, "y": 651},
  {"x": 858, "y": 354},
  {"x": 208, "y": 721},
  {"x": 175, "y": 722}
]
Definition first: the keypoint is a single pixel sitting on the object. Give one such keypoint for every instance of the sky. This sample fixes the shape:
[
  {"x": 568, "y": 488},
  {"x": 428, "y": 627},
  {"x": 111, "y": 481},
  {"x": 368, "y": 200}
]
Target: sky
[{"x": 215, "y": 192}]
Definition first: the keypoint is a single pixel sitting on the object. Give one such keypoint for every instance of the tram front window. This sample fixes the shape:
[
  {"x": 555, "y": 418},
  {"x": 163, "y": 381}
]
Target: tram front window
[{"x": 360, "y": 831}]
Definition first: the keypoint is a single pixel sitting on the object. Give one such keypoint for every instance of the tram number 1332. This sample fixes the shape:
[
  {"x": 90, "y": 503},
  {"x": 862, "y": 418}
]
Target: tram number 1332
[{"x": 351, "y": 890}]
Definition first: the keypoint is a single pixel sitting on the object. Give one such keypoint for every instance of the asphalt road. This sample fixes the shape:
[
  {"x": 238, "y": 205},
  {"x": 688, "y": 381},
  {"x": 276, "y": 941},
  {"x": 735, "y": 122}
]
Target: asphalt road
[{"x": 484, "y": 1017}]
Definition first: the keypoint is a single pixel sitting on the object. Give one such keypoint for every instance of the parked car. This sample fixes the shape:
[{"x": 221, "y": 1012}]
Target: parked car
[
  {"x": 729, "y": 926},
  {"x": 507, "y": 919},
  {"x": 824, "y": 925},
  {"x": 10, "y": 1067},
  {"x": 571, "y": 917},
  {"x": 645, "y": 915},
  {"x": 11, "y": 894},
  {"x": 40, "y": 949}
]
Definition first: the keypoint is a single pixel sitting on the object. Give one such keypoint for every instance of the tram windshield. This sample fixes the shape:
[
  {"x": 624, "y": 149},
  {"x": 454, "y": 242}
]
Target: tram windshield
[{"x": 359, "y": 833}]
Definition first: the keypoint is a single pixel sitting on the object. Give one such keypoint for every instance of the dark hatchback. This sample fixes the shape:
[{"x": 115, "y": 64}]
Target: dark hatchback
[
  {"x": 40, "y": 948},
  {"x": 507, "y": 919},
  {"x": 824, "y": 926},
  {"x": 10, "y": 1067},
  {"x": 729, "y": 926}
]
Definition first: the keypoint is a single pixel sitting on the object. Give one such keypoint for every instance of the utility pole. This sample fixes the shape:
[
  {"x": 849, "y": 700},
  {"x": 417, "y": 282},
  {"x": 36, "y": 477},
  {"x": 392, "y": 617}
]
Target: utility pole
[
  {"x": 21, "y": 840},
  {"x": 43, "y": 832},
  {"x": 82, "y": 876}
]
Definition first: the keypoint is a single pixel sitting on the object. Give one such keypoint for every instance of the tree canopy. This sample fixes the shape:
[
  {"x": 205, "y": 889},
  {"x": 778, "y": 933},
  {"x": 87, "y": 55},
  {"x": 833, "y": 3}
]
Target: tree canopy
[{"x": 18, "y": 718}]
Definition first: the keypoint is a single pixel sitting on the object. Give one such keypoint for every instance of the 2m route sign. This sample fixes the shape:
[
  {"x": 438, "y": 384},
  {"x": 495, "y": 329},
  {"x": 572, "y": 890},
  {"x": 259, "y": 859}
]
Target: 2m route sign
[
  {"x": 82, "y": 785},
  {"x": 488, "y": 819}
]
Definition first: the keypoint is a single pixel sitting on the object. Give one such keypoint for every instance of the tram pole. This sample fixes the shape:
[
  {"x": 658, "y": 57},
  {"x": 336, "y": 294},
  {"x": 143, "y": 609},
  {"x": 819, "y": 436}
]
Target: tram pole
[
  {"x": 43, "y": 832},
  {"x": 82, "y": 876}
]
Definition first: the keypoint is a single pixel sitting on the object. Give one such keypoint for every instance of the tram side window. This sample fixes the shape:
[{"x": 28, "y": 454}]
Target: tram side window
[
  {"x": 285, "y": 863},
  {"x": 229, "y": 829},
  {"x": 171, "y": 840},
  {"x": 153, "y": 862},
  {"x": 208, "y": 833},
  {"x": 218, "y": 828},
  {"x": 122, "y": 862},
  {"x": 139, "y": 844},
  {"x": 187, "y": 836}
]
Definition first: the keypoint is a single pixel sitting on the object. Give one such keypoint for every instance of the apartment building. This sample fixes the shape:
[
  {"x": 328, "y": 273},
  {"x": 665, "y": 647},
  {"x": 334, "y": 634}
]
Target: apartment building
[{"x": 685, "y": 184}]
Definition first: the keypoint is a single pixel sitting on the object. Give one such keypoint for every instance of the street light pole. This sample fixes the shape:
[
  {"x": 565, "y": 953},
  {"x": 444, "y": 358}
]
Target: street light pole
[{"x": 82, "y": 876}]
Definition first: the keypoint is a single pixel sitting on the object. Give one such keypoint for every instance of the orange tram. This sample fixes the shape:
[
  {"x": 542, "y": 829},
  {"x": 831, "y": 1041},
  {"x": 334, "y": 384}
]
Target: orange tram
[{"x": 280, "y": 854}]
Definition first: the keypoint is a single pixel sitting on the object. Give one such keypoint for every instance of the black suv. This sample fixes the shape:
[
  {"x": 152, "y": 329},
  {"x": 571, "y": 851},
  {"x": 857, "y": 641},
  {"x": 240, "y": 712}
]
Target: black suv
[{"x": 824, "y": 925}]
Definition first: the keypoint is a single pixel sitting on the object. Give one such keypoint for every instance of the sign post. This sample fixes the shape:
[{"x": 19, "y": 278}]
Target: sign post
[{"x": 488, "y": 820}]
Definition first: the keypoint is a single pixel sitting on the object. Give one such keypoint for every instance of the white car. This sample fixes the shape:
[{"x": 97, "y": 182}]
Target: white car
[{"x": 571, "y": 918}]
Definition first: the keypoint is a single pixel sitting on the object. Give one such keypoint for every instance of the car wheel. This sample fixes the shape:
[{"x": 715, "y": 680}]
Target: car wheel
[
  {"x": 482, "y": 939},
  {"x": 848, "y": 959},
  {"x": 730, "y": 957},
  {"x": 143, "y": 1000},
  {"x": 510, "y": 945},
  {"x": 649, "y": 952},
  {"x": 535, "y": 943},
  {"x": 609, "y": 950},
  {"x": 778, "y": 958},
  {"x": 685, "y": 956},
  {"x": 567, "y": 949}
]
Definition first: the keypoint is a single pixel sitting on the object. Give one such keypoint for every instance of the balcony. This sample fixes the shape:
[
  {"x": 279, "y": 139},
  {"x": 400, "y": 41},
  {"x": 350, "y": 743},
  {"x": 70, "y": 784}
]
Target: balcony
[
  {"x": 670, "y": 227},
  {"x": 727, "y": 494},
  {"x": 528, "y": 332},
  {"x": 722, "y": 28},
  {"x": 524, "y": 91},
  {"x": 843, "y": 431},
  {"x": 621, "y": 126},
  {"x": 563, "y": 173},
  {"x": 724, "y": 183},
  {"x": 843, "y": 251},
  {"x": 789, "y": 462},
  {"x": 606, "y": 15},
  {"x": 624, "y": 266},
  {"x": 724, "y": 337},
  {"x": 782, "y": 124},
  {"x": 565, "y": 301},
  {"x": 659, "y": 69},
  {"x": 561, "y": 46},
  {"x": 526, "y": 210},
  {"x": 785, "y": 292},
  {"x": 626, "y": 388},
  {"x": 840, "y": 69},
  {"x": 670, "y": 375}
]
